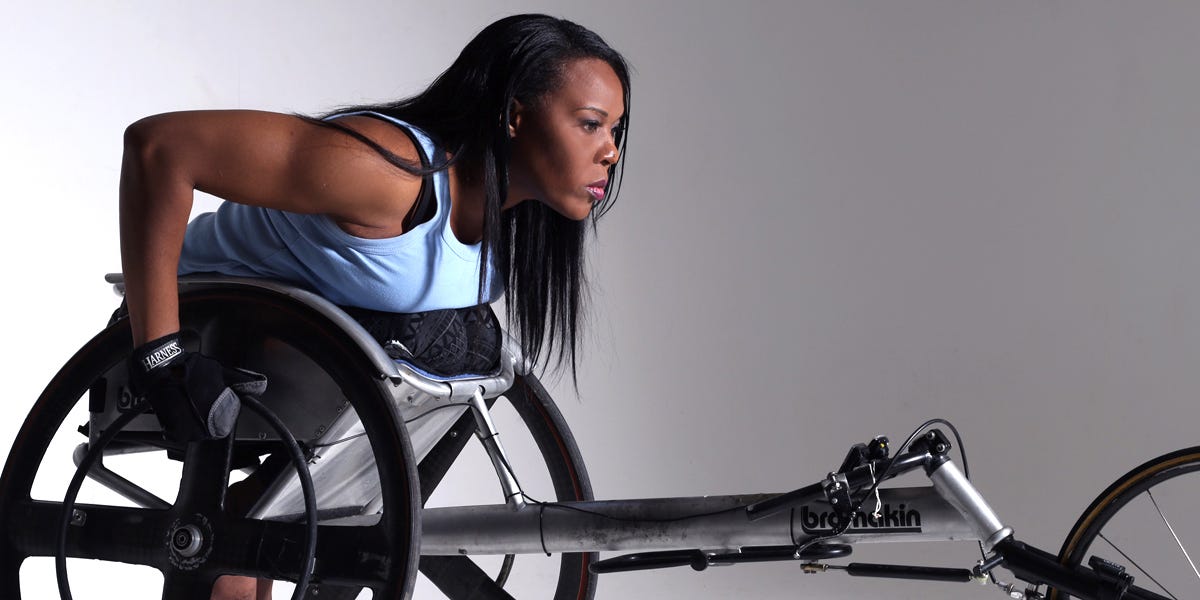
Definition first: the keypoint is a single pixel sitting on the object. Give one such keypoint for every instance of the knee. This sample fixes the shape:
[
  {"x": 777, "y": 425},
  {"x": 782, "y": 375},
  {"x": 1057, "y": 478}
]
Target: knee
[{"x": 229, "y": 587}]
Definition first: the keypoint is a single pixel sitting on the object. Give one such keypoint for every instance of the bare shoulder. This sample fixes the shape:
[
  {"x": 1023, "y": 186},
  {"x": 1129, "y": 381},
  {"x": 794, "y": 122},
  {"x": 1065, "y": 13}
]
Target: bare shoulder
[
  {"x": 388, "y": 135},
  {"x": 397, "y": 189},
  {"x": 285, "y": 162}
]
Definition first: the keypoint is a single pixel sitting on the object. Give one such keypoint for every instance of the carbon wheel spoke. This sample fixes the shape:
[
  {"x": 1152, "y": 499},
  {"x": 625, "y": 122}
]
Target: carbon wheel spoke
[
  {"x": 354, "y": 555},
  {"x": 113, "y": 533},
  {"x": 186, "y": 585},
  {"x": 10, "y": 587},
  {"x": 347, "y": 556},
  {"x": 205, "y": 476},
  {"x": 459, "y": 578},
  {"x": 1173, "y": 534}
]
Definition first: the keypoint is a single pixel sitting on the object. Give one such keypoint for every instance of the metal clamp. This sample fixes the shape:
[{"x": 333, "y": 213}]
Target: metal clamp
[
  {"x": 486, "y": 430},
  {"x": 837, "y": 491}
]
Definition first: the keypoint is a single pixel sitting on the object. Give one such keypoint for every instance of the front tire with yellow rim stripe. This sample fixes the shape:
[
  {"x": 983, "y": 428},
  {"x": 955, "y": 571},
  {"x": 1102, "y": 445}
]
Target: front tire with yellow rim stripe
[{"x": 1149, "y": 522}]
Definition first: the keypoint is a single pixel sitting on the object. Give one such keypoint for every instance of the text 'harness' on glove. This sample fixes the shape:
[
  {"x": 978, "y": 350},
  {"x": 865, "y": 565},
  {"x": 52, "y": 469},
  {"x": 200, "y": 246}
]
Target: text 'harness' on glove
[{"x": 194, "y": 396}]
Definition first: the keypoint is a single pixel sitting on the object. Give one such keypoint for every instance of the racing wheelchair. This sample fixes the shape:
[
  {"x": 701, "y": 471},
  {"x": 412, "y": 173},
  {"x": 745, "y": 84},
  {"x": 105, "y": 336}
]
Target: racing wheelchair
[{"x": 327, "y": 483}]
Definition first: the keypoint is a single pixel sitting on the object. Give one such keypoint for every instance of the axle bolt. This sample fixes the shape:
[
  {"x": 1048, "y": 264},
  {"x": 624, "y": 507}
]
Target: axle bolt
[{"x": 187, "y": 540}]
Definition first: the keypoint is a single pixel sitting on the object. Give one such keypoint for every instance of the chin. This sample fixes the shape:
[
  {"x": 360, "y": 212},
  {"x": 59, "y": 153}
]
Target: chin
[
  {"x": 581, "y": 214},
  {"x": 573, "y": 210}
]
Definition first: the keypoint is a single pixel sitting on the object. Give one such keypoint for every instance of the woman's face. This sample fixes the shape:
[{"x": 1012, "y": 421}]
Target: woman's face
[{"x": 563, "y": 145}]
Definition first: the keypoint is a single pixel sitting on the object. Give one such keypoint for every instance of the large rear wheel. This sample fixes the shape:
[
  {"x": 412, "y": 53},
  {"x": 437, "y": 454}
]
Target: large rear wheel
[{"x": 233, "y": 324}]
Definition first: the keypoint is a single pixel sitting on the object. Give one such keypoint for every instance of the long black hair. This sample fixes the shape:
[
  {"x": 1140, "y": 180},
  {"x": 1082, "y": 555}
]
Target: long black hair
[{"x": 537, "y": 252}]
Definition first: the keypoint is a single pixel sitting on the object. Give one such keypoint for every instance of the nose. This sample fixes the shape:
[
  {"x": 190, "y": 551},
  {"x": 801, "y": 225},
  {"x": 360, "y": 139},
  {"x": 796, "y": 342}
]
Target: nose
[{"x": 610, "y": 154}]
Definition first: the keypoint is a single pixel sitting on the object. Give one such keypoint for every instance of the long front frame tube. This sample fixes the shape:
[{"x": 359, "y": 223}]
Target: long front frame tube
[{"x": 917, "y": 514}]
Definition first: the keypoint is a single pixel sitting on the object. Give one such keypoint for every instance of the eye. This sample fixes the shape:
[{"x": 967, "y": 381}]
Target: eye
[{"x": 591, "y": 125}]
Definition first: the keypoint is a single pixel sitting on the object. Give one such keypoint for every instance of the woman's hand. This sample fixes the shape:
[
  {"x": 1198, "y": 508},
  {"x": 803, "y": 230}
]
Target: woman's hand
[{"x": 194, "y": 397}]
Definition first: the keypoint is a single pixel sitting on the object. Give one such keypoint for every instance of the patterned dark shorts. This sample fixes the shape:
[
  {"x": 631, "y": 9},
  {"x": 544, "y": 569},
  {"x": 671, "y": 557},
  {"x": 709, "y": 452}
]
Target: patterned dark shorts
[{"x": 442, "y": 342}]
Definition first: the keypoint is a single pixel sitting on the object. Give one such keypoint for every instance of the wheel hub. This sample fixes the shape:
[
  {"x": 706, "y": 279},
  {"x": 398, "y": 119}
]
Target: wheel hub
[{"x": 189, "y": 542}]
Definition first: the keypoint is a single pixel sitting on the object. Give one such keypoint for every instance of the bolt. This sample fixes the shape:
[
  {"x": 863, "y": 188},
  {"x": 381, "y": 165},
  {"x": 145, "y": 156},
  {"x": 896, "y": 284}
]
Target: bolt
[
  {"x": 454, "y": 434},
  {"x": 78, "y": 517},
  {"x": 187, "y": 540},
  {"x": 833, "y": 500}
]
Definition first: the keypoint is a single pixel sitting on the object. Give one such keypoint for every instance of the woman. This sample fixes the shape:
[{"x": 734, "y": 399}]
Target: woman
[{"x": 515, "y": 146}]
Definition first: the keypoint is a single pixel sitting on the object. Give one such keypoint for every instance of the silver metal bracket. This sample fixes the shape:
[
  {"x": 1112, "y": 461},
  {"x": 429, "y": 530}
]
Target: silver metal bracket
[{"x": 486, "y": 430}]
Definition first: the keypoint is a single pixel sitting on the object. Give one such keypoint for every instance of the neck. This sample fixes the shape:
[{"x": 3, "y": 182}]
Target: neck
[{"x": 467, "y": 201}]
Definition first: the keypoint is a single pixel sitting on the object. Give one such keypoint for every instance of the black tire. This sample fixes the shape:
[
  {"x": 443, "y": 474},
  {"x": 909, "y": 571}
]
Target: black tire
[
  {"x": 1131, "y": 514},
  {"x": 381, "y": 556},
  {"x": 458, "y": 577}
]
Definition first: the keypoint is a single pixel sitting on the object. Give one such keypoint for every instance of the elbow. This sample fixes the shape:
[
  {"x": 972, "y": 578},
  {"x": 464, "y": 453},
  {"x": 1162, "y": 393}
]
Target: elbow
[
  {"x": 160, "y": 142},
  {"x": 150, "y": 165},
  {"x": 143, "y": 140}
]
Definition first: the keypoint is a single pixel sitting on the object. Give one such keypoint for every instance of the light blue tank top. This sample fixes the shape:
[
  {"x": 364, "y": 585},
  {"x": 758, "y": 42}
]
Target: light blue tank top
[{"x": 425, "y": 268}]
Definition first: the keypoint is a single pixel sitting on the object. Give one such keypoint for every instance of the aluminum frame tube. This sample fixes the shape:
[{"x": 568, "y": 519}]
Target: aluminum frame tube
[
  {"x": 958, "y": 491},
  {"x": 707, "y": 523},
  {"x": 111, "y": 480}
]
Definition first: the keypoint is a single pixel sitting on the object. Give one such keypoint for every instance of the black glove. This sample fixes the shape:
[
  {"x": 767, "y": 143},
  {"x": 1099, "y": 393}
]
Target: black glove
[{"x": 194, "y": 396}]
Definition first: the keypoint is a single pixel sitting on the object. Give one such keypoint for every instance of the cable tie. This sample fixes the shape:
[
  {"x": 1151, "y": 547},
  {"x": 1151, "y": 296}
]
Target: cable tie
[{"x": 542, "y": 527}]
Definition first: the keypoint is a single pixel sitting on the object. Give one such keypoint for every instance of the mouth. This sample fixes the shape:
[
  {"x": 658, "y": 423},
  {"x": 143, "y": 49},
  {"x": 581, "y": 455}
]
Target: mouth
[{"x": 596, "y": 189}]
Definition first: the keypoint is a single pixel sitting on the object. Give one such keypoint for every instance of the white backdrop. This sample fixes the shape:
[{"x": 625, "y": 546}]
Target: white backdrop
[{"x": 839, "y": 220}]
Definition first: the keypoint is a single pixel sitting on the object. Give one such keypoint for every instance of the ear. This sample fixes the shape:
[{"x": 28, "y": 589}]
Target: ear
[{"x": 514, "y": 117}]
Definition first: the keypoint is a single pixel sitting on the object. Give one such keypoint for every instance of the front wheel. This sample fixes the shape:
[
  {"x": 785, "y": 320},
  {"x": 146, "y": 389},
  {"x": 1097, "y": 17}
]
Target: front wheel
[
  {"x": 1148, "y": 521},
  {"x": 534, "y": 432}
]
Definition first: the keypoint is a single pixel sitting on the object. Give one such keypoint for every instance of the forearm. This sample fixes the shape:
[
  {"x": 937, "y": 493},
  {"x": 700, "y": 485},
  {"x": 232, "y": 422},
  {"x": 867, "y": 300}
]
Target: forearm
[{"x": 155, "y": 201}]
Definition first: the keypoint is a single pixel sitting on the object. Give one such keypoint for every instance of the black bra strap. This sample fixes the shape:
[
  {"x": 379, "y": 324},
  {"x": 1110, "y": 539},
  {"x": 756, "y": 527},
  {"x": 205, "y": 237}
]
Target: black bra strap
[{"x": 426, "y": 205}]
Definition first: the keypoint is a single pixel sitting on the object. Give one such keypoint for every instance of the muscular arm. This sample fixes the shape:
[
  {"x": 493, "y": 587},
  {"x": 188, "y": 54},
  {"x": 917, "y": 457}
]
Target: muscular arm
[{"x": 262, "y": 159}]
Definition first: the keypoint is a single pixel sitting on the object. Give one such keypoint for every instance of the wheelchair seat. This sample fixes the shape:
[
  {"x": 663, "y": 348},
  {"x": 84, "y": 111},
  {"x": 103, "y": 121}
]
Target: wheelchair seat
[{"x": 305, "y": 397}]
